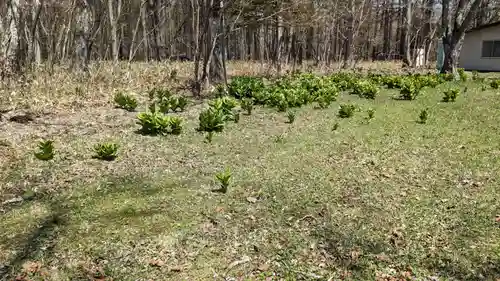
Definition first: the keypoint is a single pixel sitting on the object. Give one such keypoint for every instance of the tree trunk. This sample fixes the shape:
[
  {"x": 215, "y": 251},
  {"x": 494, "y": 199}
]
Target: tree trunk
[
  {"x": 12, "y": 41},
  {"x": 407, "y": 33},
  {"x": 113, "y": 20},
  {"x": 454, "y": 27}
]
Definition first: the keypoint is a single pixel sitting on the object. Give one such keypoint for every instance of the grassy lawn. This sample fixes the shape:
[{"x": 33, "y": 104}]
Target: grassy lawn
[{"x": 374, "y": 199}]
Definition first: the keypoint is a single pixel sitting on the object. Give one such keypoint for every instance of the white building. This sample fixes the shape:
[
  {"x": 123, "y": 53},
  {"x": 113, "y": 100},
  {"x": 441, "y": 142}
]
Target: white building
[{"x": 481, "y": 48}]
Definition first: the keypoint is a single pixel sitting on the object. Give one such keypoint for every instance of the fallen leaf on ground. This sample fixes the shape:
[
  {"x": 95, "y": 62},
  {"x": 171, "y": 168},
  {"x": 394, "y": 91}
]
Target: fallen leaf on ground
[
  {"x": 156, "y": 262},
  {"x": 251, "y": 199},
  {"x": 264, "y": 267},
  {"x": 243, "y": 260}
]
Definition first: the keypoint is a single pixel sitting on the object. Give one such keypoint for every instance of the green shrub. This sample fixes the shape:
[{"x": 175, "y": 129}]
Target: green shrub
[
  {"x": 153, "y": 123},
  {"x": 161, "y": 100},
  {"x": 475, "y": 75},
  {"x": 290, "y": 115},
  {"x": 409, "y": 90},
  {"x": 423, "y": 116},
  {"x": 245, "y": 86},
  {"x": 124, "y": 101},
  {"x": 223, "y": 178},
  {"x": 175, "y": 124},
  {"x": 447, "y": 76},
  {"x": 462, "y": 74},
  {"x": 451, "y": 95},
  {"x": 346, "y": 110},
  {"x": 225, "y": 104},
  {"x": 495, "y": 84},
  {"x": 212, "y": 120},
  {"x": 326, "y": 95},
  {"x": 365, "y": 89},
  {"x": 247, "y": 105},
  {"x": 371, "y": 113},
  {"x": 178, "y": 103},
  {"x": 392, "y": 82},
  {"x": 45, "y": 150},
  {"x": 159, "y": 94},
  {"x": 106, "y": 151}
]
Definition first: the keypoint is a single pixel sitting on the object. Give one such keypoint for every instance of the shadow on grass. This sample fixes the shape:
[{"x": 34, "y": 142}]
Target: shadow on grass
[{"x": 42, "y": 239}]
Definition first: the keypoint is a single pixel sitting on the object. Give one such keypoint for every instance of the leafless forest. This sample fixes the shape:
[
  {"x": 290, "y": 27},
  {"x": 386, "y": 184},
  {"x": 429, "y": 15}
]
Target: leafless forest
[{"x": 76, "y": 32}]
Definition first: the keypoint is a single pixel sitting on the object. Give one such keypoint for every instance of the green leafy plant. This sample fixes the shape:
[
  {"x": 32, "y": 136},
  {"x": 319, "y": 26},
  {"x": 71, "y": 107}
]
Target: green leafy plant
[
  {"x": 495, "y": 84},
  {"x": 178, "y": 103},
  {"x": 161, "y": 100},
  {"x": 371, "y": 113},
  {"x": 335, "y": 126},
  {"x": 475, "y": 75},
  {"x": 223, "y": 178},
  {"x": 462, "y": 74},
  {"x": 175, "y": 124},
  {"x": 247, "y": 105},
  {"x": 409, "y": 90},
  {"x": 125, "y": 101},
  {"x": 160, "y": 94},
  {"x": 153, "y": 123},
  {"x": 106, "y": 151},
  {"x": 451, "y": 95},
  {"x": 447, "y": 76},
  {"x": 346, "y": 110},
  {"x": 212, "y": 120},
  {"x": 245, "y": 86},
  {"x": 484, "y": 88},
  {"x": 45, "y": 150},
  {"x": 290, "y": 115},
  {"x": 225, "y": 105},
  {"x": 365, "y": 89},
  {"x": 173, "y": 74},
  {"x": 423, "y": 116}
]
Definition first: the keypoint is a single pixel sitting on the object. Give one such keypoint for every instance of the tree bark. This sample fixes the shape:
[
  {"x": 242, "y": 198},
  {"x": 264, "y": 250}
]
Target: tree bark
[
  {"x": 12, "y": 41},
  {"x": 406, "y": 33},
  {"x": 454, "y": 26},
  {"x": 113, "y": 20}
]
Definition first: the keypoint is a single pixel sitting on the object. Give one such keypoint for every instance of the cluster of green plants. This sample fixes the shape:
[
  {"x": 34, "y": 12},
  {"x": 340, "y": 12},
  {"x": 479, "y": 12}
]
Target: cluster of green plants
[
  {"x": 451, "y": 95},
  {"x": 245, "y": 86},
  {"x": 125, "y": 101},
  {"x": 156, "y": 123},
  {"x": 416, "y": 81},
  {"x": 365, "y": 89},
  {"x": 285, "y": 92},
  {"x": 213, "y": 119},
  {"x": 409, "y": 89},
  {"x": 163, "y": 100},
  {"x": 423, "y": 116}
]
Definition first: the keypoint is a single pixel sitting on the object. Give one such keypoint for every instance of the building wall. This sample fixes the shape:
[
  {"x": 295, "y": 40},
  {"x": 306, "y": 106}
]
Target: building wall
[{"x": 470, "y": 56}]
